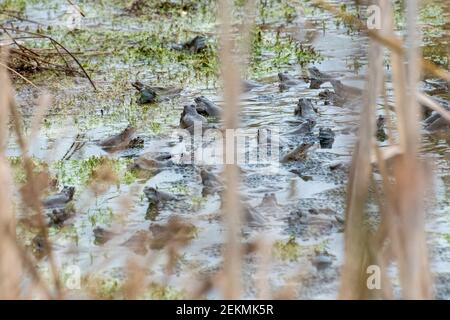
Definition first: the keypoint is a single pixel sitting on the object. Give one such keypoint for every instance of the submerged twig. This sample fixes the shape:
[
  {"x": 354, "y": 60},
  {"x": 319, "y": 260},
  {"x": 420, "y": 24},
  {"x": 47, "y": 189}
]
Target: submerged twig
[
  {"x": 19, "y": 75},
  {"x": 76, "y": 7}
]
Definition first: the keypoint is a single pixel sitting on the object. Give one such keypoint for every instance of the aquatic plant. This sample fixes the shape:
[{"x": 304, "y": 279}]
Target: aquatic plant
[{"x": 288, "y": 250}]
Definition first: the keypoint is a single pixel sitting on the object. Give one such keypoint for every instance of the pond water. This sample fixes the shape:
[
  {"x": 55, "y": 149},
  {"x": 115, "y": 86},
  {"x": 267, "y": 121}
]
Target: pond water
[{"x": 306, "y": 220}]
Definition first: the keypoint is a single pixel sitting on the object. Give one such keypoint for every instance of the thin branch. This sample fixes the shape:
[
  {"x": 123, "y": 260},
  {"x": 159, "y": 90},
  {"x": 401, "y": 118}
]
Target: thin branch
[
  {"x": 59, "y": 45},
  {"x": 18, "y": 74},
  {"x": 433, "y": 105}
]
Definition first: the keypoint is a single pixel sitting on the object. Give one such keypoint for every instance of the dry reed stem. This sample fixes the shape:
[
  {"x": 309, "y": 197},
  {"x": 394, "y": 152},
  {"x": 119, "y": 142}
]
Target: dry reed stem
[
  {"x": 232, "y": 209},
  {"x": 32, "y": 191},
  {"x": 264, "y": 251},
  {"x": 4, "y": 111},
  {"x": 39, "y": 114},
  {"x": 387, "y": 111},
  {"x": 413, "y": 71},
  {"x": 382, "y": 248},
  {"x": 357, "y": 253},
  {"x": 19, "y": 75},
  {"x": 425, "y": 100},
  {"x": 410, "y": 243},
  {"x": 230, "y": 73},
  {"x": 13, "y": 258},
  {"x": 401, "y": 234},
  {"x": 10, "y": 262},
  {"x": 135, "y": 282}
]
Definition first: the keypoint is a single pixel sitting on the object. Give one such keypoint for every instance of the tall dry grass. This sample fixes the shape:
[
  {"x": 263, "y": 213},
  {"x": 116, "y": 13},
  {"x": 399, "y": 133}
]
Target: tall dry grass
[{"x": 13, "y": 254}]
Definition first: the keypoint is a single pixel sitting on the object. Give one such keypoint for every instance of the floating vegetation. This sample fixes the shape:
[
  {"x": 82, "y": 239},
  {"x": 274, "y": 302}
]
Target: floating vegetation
[
  {"x": 288, "y": 250},
  {"x": 87, "y": 171},
  {"x": 272, "y": 51}
]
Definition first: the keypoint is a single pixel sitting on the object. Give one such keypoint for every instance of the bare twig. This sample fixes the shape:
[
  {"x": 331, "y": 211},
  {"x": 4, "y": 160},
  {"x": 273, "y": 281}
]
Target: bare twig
[{"x": 43, "y": 36}]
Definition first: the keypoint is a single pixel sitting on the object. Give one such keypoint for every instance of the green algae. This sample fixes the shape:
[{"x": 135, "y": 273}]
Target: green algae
[
  {"x": 81, "y": 173},
  {"x": 272, "y": 51},
  {"x": 288, "y": 250}
]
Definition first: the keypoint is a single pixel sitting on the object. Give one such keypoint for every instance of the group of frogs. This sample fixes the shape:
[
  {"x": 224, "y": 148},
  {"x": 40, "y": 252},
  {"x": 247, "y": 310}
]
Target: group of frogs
[{"x": 207, "y": 114}]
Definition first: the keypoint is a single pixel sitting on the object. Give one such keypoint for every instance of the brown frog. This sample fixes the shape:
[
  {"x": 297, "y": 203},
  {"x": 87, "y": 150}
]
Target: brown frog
[
  {"x": 347, "y": 93},
  {"x": 305, "y": 127},
  {"x": 299, "y": 153},
  {"x": 317, "y": 78},
  {"x": 189, "y": 117},
  {"x": 119, "y": 141},
  {"x": 153, "y": 160},
  {"x": 152, "y": 94},
  {"x": 101, "y": 235},
  {"x": 195, "y": 45},
  {"x": 206, "y": 107},
  {"x": 155, "y": 196},
  {"x": 287, "y": 81},
  {"x": 305, "y": 109},
  {"x": 211, "y": 182}
]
